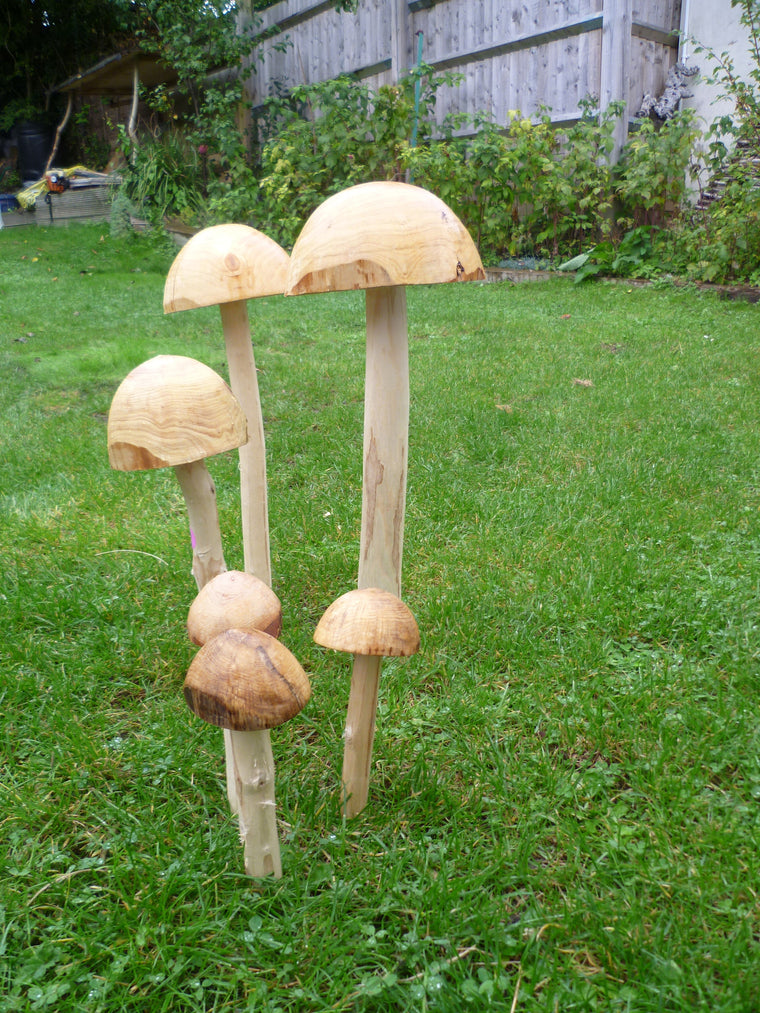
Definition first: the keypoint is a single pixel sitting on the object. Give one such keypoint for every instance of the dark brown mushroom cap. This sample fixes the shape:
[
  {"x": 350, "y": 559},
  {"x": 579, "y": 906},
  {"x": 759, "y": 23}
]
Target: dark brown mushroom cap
[
  {"x": 233, "y": 599},
  {"x": 379, "y": 234},
  {"x": 369, "y": 622},
  {"x": 245, "y": 681},
  {"x": 172, "y": 410}
]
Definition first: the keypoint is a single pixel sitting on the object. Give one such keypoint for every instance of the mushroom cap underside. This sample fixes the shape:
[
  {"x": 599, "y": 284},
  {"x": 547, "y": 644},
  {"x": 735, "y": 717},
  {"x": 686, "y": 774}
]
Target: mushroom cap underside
[
  {"x": 245, "y": 681},
  {"x": 369, "y": 621},
  {"x": 233, "y": 599},
  {"x": 172, "y": 410},
  {"x": 378, "y": 234},
  {"x": 225, "y": 263}
]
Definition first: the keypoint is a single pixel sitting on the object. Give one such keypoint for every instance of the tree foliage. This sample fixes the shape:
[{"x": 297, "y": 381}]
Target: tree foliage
[{"x": 42, "y": 42}]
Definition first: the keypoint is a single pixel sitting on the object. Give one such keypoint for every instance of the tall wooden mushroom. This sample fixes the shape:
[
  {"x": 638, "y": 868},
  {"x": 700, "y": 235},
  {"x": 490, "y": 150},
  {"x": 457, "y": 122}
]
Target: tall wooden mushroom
[
  {"x": 225, "y": 265},
  {"x": 381, "y": 237}
]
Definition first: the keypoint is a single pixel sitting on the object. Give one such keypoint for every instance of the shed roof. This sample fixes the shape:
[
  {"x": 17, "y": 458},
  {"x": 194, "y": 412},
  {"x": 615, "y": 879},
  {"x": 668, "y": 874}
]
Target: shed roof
[{"x": 115, "y": 74}]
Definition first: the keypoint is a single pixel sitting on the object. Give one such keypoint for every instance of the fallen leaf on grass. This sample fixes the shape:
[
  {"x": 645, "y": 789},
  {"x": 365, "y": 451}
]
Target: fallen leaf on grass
[
  {"x": 582, "y": 383},
  {"x": 504, "y": 407},
  {"x": 565, "y": 316}
]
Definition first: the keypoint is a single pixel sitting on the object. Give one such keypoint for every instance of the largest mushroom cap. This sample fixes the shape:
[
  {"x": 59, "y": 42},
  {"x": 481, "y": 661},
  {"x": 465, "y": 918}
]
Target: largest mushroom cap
[
  {"x": 225, "y": 263},
  {"x": 172, "y": 410},
  {"x": 378, "y": 234}
]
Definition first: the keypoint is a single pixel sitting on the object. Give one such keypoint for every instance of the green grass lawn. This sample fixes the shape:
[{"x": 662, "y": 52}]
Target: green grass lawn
[{"x": 564, "y": 809}]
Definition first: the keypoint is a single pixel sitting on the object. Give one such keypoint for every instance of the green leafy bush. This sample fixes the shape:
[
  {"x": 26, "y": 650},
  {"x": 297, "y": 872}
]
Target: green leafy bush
[
  {"x": 164, "y": 178},
  {"x": 324, "y": 137},
  {"x": 651, "y": 178},
  {"x": 524, "y": 188}
]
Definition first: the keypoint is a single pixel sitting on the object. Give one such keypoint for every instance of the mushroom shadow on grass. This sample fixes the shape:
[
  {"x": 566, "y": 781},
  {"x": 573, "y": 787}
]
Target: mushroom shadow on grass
[{"x": 380, "y": 237}]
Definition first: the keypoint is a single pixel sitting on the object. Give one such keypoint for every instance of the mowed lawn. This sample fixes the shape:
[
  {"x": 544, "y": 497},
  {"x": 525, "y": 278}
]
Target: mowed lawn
[{"x": 564, "y": 808}]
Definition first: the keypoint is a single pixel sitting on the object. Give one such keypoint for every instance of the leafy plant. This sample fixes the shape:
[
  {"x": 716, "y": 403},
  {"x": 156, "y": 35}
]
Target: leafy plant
[
  {"x": 523, "y": 188},
  {"x": 164, "y": 178},
  {"x": 323, "y": 137},
  {"x": 626, "y": 258},
  {"x": 651, "y": 178}
]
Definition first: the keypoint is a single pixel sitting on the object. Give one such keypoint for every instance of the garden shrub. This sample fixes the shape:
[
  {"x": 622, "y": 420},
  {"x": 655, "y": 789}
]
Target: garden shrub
[
  {"x": 651, "y": 178},
  {"x": 324, "y": 137},
  {"x": 524, "y": 188}
]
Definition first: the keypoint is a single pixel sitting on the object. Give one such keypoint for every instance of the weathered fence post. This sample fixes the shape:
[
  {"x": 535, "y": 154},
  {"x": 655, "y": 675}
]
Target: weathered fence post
[
  {"x": 401, "y": 38},
  {"x": 616, "y": 65}
]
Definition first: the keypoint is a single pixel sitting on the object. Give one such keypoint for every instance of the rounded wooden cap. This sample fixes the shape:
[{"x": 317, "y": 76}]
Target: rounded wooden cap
[
  {"x": 245, "y": 681},
  {"x": 225, "y": 263},
  {"x": 172, "y": 410},
  {"x": 369, "y": 622},
  {"x": 234, "y": 599},
  {"x": 378, "y": 234}
]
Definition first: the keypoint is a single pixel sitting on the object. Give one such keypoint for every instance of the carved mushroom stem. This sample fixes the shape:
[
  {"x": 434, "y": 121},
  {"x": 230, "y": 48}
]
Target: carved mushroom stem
[
  {"x": 253, "y": 766},
  {"x": 208, "y": 561},
  {"x": 386, "y": 452},
  {"x": 360, "y": 732},
  {"x": 253, "y": 471},
  {"x": 253, "y": 495},
  {"x": 200, "y": 499}
]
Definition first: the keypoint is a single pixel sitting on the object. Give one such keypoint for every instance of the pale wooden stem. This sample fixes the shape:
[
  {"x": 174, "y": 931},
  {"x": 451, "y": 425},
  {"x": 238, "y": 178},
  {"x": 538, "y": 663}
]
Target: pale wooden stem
[
  {"x": 200, "y": 498},
  {"x": 386, "y": 440},
  {"x": 208, "y": 559},
  {"x": 253, "y": 469},
  {"x": 386, "y": 451},
  {"x": 254, "y": 775},
  {"x": 360, "y": 733}
]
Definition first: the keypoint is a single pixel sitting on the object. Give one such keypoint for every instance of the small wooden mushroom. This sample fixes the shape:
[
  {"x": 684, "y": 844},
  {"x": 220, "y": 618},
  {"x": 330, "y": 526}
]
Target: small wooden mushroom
[
  {"x": 248, "y": 682},
  {"x": 382, "y": 237},
  {"x": 225, "y": 265},
  {"x": 240, "y": 600},
  {"x": 370, "y": 624},
  {"x": 233, "y": 599},
  {"x": 173, "y": 411}
]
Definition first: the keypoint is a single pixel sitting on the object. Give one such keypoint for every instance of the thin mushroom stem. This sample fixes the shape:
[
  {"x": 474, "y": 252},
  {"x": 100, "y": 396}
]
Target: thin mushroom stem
[
  {"x": 253, "y": 765},
  {"x": 200, "y": 498},
  {"x": 208, "y": 560},
  {"x": 253, "y": 475},
  {"x": 253, "y": 472},
  {"x": 386, "y": 451},
  {"x": 386, "y": 440},
  {"x": 360, "y": 732}
]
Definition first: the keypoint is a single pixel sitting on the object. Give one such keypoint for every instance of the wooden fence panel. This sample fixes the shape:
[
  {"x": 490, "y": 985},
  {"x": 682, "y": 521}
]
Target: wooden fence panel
[{"x": 513, "y": 54}]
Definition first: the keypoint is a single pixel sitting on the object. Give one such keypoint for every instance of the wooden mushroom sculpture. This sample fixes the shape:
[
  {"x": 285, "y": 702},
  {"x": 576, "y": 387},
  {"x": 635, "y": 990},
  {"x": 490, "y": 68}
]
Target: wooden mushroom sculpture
[
  {"x": 371, "y": 624},
  {"x": 234, "y": 599},
  {"x": 248, "y": 682},
  {"x": 382, "y": 237},
  {"x": 225, "y": 265},
  {"x": 173, "y": 411}
]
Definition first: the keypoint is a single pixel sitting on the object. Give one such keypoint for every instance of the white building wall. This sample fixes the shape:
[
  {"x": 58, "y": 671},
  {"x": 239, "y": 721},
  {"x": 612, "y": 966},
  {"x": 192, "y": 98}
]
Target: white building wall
[{"x": 716, "y": 24}]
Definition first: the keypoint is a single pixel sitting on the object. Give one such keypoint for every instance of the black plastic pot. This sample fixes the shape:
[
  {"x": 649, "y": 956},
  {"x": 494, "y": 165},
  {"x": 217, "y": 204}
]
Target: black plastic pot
[{"x": 33, "y": 150}]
